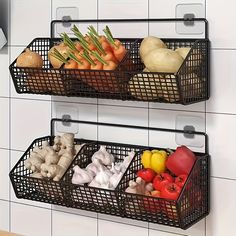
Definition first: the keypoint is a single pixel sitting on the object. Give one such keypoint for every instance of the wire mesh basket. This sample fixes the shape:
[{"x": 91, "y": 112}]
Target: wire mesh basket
[
  {"x": 36, "y": 189},
  {"x": 100, "y": 200},
  {"x": 190, "y": 84},
  {"x": 68, "y": 82},
  {"x": 190, "y": 207}
]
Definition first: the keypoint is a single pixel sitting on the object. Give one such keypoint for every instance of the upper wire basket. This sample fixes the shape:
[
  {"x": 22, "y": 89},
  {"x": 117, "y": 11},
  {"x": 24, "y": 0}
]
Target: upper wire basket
[{"x": 190, "y": 84}]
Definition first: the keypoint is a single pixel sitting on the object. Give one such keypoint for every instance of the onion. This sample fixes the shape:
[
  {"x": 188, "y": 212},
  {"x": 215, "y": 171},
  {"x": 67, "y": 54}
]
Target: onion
[
  {"x": 29, "y": 59},
  {"x": 37, "y": 82},
  {"x": 149, "y": 44},
  {"x": 63, "y": 49},
  {"x": 163, "y": 60}
]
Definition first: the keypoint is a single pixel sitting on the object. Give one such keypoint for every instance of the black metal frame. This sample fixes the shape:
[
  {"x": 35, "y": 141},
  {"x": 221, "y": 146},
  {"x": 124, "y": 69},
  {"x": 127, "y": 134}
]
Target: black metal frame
[
  {"x": 189, "y": 85},
  {"x": 182, "y": 213}
]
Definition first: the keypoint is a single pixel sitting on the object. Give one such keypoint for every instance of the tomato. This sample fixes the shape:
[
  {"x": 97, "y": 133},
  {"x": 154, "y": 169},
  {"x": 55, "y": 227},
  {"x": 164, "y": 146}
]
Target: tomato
[
  {"x": 146, "y": 174},
  {"x": 161, "y": 180},
  {"x": 180, "y": 180},
  {"x": 170, "y": 191}
]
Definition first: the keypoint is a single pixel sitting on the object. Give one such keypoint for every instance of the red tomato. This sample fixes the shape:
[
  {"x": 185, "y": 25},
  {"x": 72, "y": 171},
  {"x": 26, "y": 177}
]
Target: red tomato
[
  {"x": 146, "y": 174},
  {"x": 161, "y": 180},
  {"x": 180, "y": 180},
  {"x": 170, "y": 191}
]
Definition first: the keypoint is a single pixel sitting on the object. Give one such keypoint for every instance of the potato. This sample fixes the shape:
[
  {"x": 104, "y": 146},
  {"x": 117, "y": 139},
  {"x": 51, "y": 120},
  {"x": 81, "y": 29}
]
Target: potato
[
  {"x": 149, "y": 44},
  {"x": 163, "y": 60}
]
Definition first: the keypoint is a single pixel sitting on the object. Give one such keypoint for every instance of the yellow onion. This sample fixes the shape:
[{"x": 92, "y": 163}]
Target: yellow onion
[
  {"x": 29, "y": 59},
  {"x": 63, "y": 49}
]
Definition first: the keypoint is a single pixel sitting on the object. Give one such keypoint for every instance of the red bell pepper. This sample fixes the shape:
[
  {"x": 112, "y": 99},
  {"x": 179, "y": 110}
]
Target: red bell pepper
[{"x": 181, "y": 161}]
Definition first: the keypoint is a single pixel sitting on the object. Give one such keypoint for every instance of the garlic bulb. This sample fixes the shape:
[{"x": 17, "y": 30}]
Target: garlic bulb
[
  {"x": 105, "y": 157},
  {"x": 81, "y": 176},
  {"x": 103, "y": 176}
]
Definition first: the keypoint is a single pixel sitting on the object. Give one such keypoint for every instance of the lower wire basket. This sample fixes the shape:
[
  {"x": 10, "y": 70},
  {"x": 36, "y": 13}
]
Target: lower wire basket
[{"x": 191, "y": 205}]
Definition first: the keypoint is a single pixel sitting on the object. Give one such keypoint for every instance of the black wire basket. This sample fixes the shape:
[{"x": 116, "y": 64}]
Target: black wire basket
[
  {"x": 36, "y": 189},
  {"x": 190, "y": 207},
  {"x": 99, "y": 200},
  {"x": 190, "y": 84}
]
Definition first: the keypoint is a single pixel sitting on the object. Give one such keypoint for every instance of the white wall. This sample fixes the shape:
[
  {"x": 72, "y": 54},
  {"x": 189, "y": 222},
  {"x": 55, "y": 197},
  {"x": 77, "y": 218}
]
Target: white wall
[{"x": 26, "y": 117}]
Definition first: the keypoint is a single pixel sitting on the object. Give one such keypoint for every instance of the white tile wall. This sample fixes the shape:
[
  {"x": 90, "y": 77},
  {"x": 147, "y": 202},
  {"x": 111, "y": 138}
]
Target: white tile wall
[
  {"x": 4, "y": 171},
  {"x": 223, "y": 73},
  {"x": 30, "y": 115},
  {"x": 221, "y": 23},
  {"x": 69, "y": 224},
  {"x": 4, "y": 215},
  {"x": 221, "y": 131},
  {"x": 4, "y": 122},
  {"x": 28, "y": 22},
  {"x": 30, "y": 119},
  {"x": 4, "y": 59},
  {"x": 221, "y": 220},
  {"x": 106, "y": 228},
  {"x": 30, "y": 221}
]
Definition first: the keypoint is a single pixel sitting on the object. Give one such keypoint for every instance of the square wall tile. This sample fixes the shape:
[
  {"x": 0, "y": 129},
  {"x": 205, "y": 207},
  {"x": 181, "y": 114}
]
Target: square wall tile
[
  {"x": 76, "y": 9},
  {"x": 4, "y": 174},
  {"x": 4, "y": 64},
  {"x": 70, "y": 224},
  {"x": 74, "y": 211},
  {"x": 221, "y": 23},
  {"x": 222, "y": 136},
  {"x": 126, "y": 116},
  {"x": 4, "y": 215},
  {"x": 169, "y": 119},
  {"x": 160, "y": 233},
  {"x": 4, "y": 122},
  {"x": 87, "y": 9},
  {"x": 221, "y": 220},
  {"x": 197, "y": 229},
  {"x": 15, "y": 157},
  {"x": 77, "y": 111},
  {"x": 106, "y": 228},
  {"x": 35, "y": 221},
  {"x": 15, "y": 52},
  {"x": 169, "y": 9},
  {"x": 126, "y": 9},
  {"x": 30, "y": 119},
  {"x": 223, "y": 82},
  {"x": 166, "y": 9},
  {"x": 121, "y": 220},
  {"x": 27, "y": 21}
]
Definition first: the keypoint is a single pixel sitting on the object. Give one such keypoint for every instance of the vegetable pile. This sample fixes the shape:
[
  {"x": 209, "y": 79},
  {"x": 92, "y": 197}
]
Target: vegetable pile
[
  {"x": 157, "y": 58},
  {"x": 103, "y": 171},
  {"x": 90, "y": 52},
  {"x": 51, "y": 162},
  {"x": 164, "y": 174}
]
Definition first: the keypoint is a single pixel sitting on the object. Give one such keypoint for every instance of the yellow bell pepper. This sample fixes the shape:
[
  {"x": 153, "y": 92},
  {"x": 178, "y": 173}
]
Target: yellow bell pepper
[{"x": 156, "y": 160}]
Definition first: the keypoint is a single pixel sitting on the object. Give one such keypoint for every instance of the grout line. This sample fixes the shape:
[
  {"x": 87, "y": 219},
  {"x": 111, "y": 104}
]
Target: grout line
[{"x": 9, "y": 90}]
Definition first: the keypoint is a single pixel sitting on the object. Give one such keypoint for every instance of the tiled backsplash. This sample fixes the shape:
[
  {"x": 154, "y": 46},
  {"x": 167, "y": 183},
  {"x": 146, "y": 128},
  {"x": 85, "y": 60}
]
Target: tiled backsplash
[{"x": 26, "y": 117}]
